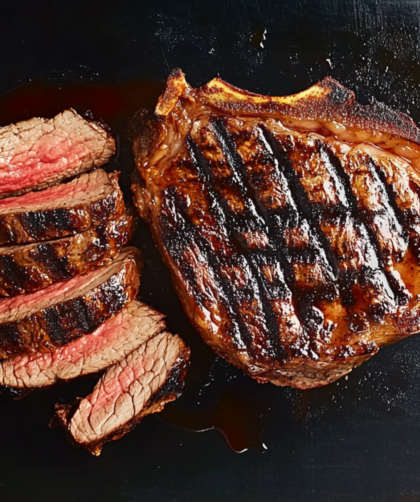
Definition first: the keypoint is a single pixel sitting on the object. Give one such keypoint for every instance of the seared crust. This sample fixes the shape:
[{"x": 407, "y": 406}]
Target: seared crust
[
  {"x": 114, "y": 340},
  {"x": 169, "y": 391},
  {"x": 28, "y": 268},
  {"x": 69, "y": 218},
  {"x": 62, "y": 321},
  {"x": 290, "y": 224}
]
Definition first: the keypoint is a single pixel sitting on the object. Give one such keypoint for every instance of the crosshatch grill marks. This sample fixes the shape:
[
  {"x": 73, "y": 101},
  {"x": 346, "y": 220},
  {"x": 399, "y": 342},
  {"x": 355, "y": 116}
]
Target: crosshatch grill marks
[
  {"x": 362, "y": 282},
  {"x": 306, "y": 270},
  {"x": 198, "y": 265},
  {"x": 371, "y": 316},
  {"x": 204, "y": 230},
  {"x": 311, "y": 274},
  {"x": 247, "y": 233},
  {"x": 402, "y": 184},
  {"x": 377, "y": 212}
]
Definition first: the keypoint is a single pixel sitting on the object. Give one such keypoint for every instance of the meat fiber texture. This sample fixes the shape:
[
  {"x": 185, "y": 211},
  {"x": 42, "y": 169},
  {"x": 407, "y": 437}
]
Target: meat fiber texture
[
  {"x": 39, "y": 152},
  {"x": 62, "y": 210},
  {"x": 142, "y": 383},
  {"x": 62, "y": 312},
  {"x": 31, "y": 267},
  {"x": 290, "y": 225},
  {"x": 107, "y": 345}
]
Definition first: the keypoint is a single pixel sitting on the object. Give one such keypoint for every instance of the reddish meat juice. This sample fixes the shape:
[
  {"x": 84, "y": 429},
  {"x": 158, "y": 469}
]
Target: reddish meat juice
[{"x": 237, "y": 418}]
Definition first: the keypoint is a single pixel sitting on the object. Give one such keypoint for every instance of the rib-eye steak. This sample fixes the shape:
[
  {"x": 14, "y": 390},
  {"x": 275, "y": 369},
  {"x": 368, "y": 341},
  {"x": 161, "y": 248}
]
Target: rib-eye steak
[
  {"x": 64, "y": 311},
  {"x": 108, "y": 345},
  {"x": 61, "y": 210},
  {"x": 28, "y": 268},
  {"x": 141, "y": 384},
  {"x": 291, "y": 225},
  {"x": 39, "y": 153}
]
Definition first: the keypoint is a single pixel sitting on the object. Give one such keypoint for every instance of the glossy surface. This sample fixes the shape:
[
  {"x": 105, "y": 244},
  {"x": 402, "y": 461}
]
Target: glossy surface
[
  {"x": 352, "y": 441},
  {"x": 74, "y": 211},
  {"x": 64, "y": 311},
  {"x": 290, "y": 257},
  {"x": 25, "y": 269}
]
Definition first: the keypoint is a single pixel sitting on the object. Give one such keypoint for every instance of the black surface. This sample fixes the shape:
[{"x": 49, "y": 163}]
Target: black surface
[{"x": 356, "y": 440}]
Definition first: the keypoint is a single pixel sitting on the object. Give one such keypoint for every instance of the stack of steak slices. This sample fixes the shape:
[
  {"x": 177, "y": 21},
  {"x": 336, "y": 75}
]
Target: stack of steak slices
[{"x": 69, "y": 282}]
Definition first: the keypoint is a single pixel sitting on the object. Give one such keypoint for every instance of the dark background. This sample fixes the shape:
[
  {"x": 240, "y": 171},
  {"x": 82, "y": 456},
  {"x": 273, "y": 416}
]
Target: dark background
[{"x": 355, "y": 440}]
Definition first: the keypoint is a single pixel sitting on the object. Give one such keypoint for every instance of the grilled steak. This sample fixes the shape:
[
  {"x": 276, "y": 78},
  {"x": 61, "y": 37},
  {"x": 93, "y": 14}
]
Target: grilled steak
[
  {"x": 39, "y": 153},
  {"x": 61, "y": 210},
  {"x": 64, "y": 311},
  {"x": 28, "y": 268},
  {"x": 141, "y": 384},
  {"x": 290, "y": 225},
  {"x": 109, "y": 344}
]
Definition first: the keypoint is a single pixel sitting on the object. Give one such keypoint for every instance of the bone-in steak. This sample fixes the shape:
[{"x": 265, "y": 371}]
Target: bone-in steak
[
  {"x": 64, "y": 311},
  {"x": 28, "y": 268},
  {"x": 141, "y": 384},
  {"x": 62, "y": 210},
  {"x": 109, "y": 344},
  {"x": 291, "y": 225},
  {"x": 39, "y": 153}
]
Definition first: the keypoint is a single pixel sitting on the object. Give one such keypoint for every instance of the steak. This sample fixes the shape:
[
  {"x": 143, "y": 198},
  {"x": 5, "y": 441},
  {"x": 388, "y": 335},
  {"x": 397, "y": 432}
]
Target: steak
[
  {"x": 28, "y": 268},
  {"x": 109, "y": 344},
  {"x": 39, "y": 153},
  {"x": 141, "y": 384},
  {"x": 61, "y": 210},
  {"x": 291, "y": 225},
  {"x": 62, "y": 312}
]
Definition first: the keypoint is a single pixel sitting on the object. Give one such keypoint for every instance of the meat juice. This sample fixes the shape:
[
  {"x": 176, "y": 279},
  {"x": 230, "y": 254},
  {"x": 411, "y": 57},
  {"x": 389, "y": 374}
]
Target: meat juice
[{"x": 233, "y": 414}]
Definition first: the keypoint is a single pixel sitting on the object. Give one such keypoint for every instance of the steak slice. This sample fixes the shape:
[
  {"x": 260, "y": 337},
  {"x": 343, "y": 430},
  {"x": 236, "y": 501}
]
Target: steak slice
[
  {"x": 61, "y": 210},
  {"x": 151, "y": 376},
  {"x": 28, "y": 268},
  {"x": 109, "y": 344},
  {"x": 39, "y": 153},
  {"x": 290, "y": 224},
  {"x": 54, "y": 316}
]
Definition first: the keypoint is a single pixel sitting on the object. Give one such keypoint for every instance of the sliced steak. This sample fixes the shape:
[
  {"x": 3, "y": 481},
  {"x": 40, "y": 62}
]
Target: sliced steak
[
  {"x": 142, "y": 383},
  {"x": 66, "y": 209},
  {"x": 109, "y": 344},
  {"x": 54, "y": 316},
  {"x": 28, "y": 268},
  {"x": 290, "y": 224},
  {"x": 39, "y": 152}
]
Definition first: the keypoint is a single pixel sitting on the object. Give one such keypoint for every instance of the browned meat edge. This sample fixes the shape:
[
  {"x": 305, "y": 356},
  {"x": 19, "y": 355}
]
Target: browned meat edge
[
  {"x": 62, "y": 322},
  {"x": 25, "y": 227},
  {"x": 28, "y": 268},
  {"x": 331, "y": 102},
  {"x": 170, "y": 391},
  {"x": 109, "y": 344}
]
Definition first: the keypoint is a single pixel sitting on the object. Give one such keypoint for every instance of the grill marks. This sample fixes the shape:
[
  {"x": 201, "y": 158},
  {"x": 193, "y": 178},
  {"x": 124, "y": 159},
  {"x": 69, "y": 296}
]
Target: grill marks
[
  {"x": 267, "y": 295},
  {"x": 306, "y": 269},
  {"x": 402, "y": 186},
  {"x": 31, "y": 267},
  {"x": 193, "y": 232},
  {"x": 192, "y": 251},
  {"x": 361, "y": 278},
  {"x": 235, "y": 269},
  {"x": 63, "y": 312},
  {"x": 376, "y": 206},
  {"x": 268, "y": 228}
]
